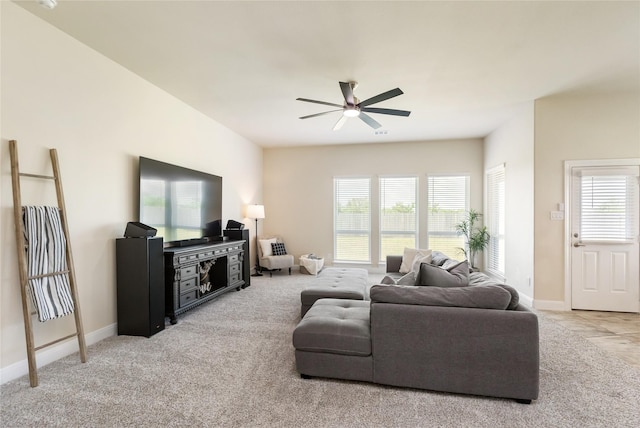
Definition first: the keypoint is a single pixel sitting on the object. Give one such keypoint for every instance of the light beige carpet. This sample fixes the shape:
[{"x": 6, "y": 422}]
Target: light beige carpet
[{"x": 230, "y": 363}]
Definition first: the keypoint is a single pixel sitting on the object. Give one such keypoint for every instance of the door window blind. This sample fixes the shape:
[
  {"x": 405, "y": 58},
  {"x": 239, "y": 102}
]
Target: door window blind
[
  {"x": 352, "y": 219},
  {"x": 608, "y": 203},
  {"x": 398, "y": 215},
  {"x": 447, "y": 201}
]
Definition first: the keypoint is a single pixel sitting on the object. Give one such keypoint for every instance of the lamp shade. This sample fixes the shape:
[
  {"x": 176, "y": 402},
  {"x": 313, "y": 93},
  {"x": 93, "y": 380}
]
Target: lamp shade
[{"x": 255, "y": 211}]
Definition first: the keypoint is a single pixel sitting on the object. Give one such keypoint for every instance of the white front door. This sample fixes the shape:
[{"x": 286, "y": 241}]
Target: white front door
[{"x": 605, "y": 249}]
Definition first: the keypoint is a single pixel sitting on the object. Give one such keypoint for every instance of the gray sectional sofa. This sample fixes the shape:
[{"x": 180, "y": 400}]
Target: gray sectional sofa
[{"x": 475, "y": 339}]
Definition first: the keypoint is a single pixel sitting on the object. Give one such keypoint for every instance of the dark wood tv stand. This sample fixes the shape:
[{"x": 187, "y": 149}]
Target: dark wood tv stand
[{"x": 196, "y": 274}]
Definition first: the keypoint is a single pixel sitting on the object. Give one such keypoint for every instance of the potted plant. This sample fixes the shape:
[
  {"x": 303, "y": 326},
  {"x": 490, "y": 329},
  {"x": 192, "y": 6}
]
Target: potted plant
[{"x": 476, "y": 238}]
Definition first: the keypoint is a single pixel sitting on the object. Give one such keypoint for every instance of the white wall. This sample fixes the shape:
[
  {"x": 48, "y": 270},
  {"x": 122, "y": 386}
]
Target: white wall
[
  {"x": 58, "y": 93},
  {"x": 512, "y": 144},
  {"x": 573, "y": 127},
  {"x": 298, "y": 184}
]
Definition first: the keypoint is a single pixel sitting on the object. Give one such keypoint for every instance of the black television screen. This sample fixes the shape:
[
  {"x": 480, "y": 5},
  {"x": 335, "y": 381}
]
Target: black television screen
[{"x": 181, "y": 203}]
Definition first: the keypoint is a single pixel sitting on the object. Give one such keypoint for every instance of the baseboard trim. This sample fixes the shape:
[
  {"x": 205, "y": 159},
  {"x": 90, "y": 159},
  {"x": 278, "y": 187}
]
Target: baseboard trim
[
  {"x": 549, "y": 305},
  {"x": 54, "y": 353}
]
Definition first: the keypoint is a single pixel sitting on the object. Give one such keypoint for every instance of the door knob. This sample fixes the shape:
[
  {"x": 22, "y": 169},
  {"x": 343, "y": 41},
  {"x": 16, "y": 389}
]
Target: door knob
[{"x": 577, "y": 244}]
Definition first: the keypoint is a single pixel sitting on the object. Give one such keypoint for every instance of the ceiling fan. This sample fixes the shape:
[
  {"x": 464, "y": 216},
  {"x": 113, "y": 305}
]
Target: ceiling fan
[{"x": 353, "y": 107}]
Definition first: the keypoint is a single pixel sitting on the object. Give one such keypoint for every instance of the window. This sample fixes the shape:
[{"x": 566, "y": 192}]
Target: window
[
  {"x": 608, "y": 200},
  {"x": 495, "y": 220},
  {"x": 398, "y": 215},
  {"x": 352, "y": 219},
  {"x": 448, "y": 202}
]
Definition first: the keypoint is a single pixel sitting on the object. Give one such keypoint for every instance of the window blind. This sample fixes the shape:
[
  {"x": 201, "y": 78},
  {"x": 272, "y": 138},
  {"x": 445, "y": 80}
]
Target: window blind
[
  {"x": 352, "y": 219},
  {"x": 495, "y": 220},
  {"x": 608, "y": 203},
  {"x": 447, "y": 202},
  {"x": 398, "y": 215}
]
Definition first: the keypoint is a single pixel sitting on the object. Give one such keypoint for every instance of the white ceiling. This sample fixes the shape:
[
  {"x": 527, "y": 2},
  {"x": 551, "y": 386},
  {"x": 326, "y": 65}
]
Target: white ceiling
[{"x": 463, "y": 66}]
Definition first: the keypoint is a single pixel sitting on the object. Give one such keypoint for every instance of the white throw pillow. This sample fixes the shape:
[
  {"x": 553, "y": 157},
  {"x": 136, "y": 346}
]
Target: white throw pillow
[
  {"x": 408, "y": 279},
  {"x": 418, "y": 260},
  {"x": 409, "y": 256},
  {"x": 265, "y": 245}
]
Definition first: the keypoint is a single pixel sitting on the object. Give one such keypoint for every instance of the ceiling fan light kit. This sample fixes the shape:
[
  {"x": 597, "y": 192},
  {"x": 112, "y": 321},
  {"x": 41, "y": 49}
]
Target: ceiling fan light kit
[
  {"x": 351, "y": 111},
  {"x": 353, "y": 107},
  {"x": 48, "y": 4}
]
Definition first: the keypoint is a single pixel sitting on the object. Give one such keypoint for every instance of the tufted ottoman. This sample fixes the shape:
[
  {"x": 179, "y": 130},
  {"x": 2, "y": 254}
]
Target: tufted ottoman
[
  {"x": 335, "y": 283},
  {"x": 334, "y": 340}
]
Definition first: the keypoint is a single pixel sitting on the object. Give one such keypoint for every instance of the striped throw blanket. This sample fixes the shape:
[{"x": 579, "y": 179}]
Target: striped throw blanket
[{"x": 46, "y": 254}]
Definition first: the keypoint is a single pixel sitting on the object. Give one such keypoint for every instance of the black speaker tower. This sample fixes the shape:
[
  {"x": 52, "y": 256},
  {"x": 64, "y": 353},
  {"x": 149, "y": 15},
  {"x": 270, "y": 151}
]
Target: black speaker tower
[{"x": 140, "y": 286}]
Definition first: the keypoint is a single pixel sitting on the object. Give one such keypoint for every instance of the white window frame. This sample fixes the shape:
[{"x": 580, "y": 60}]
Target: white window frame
[
  {"x": 495, "y": 220},
  {"x": 467, "y": 206},
  {"x": 337, "y": 232},
  {"x": 381, "y": 207}
]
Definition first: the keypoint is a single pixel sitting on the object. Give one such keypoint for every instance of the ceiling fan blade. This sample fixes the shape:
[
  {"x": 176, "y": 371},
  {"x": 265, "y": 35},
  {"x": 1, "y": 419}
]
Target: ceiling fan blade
[
  {"x": 386, "y": 111},
  {"x": 319, "y": 114},
  {"x": 369, "y": 120},
  {"x": 319, "y": 102},
  {"x": 347, "y": 91},
  {"x": 381, "y": 97},
  {"x": 340, "y": 122}
]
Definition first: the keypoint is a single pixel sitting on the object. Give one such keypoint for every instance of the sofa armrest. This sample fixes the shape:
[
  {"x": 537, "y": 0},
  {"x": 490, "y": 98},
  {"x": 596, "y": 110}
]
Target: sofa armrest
[
  {"x": 461, "y": 350},
  {"x": 393, "y": 263}
]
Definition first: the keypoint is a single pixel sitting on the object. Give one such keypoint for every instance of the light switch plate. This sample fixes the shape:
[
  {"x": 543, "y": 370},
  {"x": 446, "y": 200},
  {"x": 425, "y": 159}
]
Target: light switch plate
[{"x": 557, "y": 215}]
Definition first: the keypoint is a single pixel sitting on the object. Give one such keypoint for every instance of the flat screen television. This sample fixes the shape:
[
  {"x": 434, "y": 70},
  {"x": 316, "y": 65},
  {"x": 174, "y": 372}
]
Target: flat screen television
[{"x": 183, "y": 204}]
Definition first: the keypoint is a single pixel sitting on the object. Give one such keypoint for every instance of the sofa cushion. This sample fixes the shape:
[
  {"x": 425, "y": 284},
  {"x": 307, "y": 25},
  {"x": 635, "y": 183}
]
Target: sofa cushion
[
  {"x": 480, "y": 279},
  {"x": 483, "y": 297},
  {"x": 335, "y": 283},
  {"x": 456, "y": 276},
  {"x": 515, "y": 297},
  {"x": 335, "y": 326},
  {"x": 277, "y": 262}
]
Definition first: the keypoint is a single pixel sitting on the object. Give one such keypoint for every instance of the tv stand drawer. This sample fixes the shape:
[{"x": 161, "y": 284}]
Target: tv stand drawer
[
  {"x": 188, "y": 285},
  {"x": 187, "y": 298},
  {"x": 188, "y": 271}
]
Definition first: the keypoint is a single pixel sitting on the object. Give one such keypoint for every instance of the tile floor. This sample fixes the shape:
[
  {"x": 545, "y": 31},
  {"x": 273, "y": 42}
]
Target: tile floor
[{"x": 615, "y": 332}]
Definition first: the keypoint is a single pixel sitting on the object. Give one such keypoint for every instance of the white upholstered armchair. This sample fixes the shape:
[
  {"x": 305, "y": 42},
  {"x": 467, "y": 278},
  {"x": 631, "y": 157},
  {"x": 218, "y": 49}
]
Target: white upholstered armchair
[{"x": 272, "y": 255}]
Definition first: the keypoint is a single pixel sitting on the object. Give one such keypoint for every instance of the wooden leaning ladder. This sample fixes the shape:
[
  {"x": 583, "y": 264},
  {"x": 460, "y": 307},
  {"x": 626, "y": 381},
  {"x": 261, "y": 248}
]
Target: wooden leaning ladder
[{"x": 22, "y": 261}]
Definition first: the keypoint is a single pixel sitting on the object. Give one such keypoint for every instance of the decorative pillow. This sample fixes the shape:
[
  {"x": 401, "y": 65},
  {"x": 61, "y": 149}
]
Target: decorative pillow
[
  {"x": 265, "y": 245},
  {"x": 408, "y": 257},
  {"x": 418, "y": 260},
  {"x": 456, "y": 276},
  {"x": 484, "y": 297},
  {"x": 278, "y": 249},
  {"x": 407, "y": 279},
  {"x": 438, "y": 258},
  {"x": 451, "y": 264}
]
